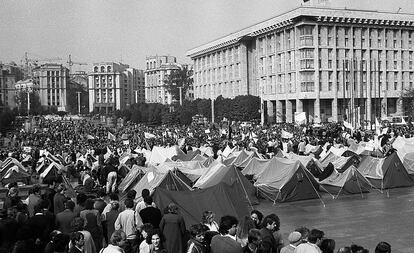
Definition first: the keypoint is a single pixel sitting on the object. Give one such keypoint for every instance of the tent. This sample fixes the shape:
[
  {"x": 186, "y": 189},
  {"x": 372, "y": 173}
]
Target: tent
[
  {"x": 222, "y": 199},
  {"x": 199, "y": 157},
  {"x": 154, "y": 178},
  {"x": 187, "y": 157},
  {"x": 8, "y": 163},
  {"x": 51, "y": 173},
  {"x": 15, "y": 174},
  {"x": 403, "y": 146},
  {"x": 161, "y": 154},
  {"x": 340, "y": 163},
  {"x": 385, "y": 173},
  {"x": 133, "y": 176},
  {"x": 192, "y": 169},
  {"x": 284, "y": 180},
  {"x": 229, "y": 175},
  {"x": 351, "y": 181},
  {"x": 255, "y": 167},
  {"x": 408, "y": 162},
  {"x": 244, "y": 158}
]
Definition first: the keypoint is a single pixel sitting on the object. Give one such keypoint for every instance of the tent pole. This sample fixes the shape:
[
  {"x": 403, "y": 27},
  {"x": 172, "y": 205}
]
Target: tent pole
[
  {"x": 244, "y": 189},
  {"x": 317, "y": 193}
]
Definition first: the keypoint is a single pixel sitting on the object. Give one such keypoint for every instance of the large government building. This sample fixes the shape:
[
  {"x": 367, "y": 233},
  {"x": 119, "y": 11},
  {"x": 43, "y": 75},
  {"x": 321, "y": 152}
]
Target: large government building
[
  {"x": 333, "y": 64},
  {"x": 114, "y": 86}
]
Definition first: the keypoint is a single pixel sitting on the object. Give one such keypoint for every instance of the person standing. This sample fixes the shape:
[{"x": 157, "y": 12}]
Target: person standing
[
  {"x": 172, "y": 225},
  {"x": 226, "y": 242},
  {"x": 294, "y": 238},
  {"x": 59, "y": 200},
  {"x": 126, "y": 222},
  {"x": 64, "y": 218},
  {"x": 150, "y": 214},
  {"x": 92, "y": 221},
  {"x": 33, "y": 199},
  {"x": 269, "y": 243},
  {"x": 110, "y": 218},
  {"x": 312, "y": 246}
]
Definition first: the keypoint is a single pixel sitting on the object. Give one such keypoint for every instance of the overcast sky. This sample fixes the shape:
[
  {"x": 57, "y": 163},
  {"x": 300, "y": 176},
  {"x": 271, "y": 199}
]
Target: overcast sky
[{"x": 130, "y": 30}]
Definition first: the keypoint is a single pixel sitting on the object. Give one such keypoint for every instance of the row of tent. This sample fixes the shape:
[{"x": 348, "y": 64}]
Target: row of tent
[{"x": 242, "y": 176}]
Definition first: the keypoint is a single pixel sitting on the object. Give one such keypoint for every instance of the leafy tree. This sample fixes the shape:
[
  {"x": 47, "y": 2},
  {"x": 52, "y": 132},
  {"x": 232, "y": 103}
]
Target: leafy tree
[
  {"x": 35, "y": 105},
  {"x": 179, "y": 78},
  {"x": 7, "y": 117},
  {"x": 408, "y": 102}
]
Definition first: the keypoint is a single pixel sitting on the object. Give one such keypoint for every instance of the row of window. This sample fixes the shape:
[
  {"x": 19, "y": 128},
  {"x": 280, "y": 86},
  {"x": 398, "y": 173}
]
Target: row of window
[
  {"x": 102, "y": 69},
  {"x": 227, "y": 89},
  {"x": 219, "y": 58},
  {"x": 219, "y": 74}
]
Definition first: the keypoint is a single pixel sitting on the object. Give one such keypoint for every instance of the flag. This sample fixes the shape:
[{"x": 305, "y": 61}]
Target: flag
[
  {"x": 377, "y": 127},
  {"x": 348, "y": 125},
  {"x": 148, "y": 135},
  {"x": 90, "y": 137},
  {"x": 111, "y": 136},
  {"x": 286, "y": 135},
  {"x": 300, "y": 118}
]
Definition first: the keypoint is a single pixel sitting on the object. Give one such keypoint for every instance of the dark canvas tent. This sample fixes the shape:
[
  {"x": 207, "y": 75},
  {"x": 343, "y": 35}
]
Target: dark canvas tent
[
  {"x": 186, "y": 157},
  {"x": 133, "y": 176},
  {"x": 244, "y": 158},
  {"x": 222, "y": 199},
  {"x": 255, "y": 167},
  {"x": 154, "y": 178},
  {"x": 351, "y": 181},
  {"x": 52, "y": 173},
  {"x": 191, "y": 169},
  {"x": 15, "y": 174},
  {"x": 229, "y": 175},
  {"x": 340, "y": 163},
  {"x": 8, "y": 163},
  {"x": 385, "y": 173},
  {"x": 285, "y": 180}
]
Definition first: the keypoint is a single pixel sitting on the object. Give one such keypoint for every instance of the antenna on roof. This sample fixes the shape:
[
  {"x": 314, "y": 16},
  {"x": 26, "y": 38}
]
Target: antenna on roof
[{"x": 399, "y": 9}]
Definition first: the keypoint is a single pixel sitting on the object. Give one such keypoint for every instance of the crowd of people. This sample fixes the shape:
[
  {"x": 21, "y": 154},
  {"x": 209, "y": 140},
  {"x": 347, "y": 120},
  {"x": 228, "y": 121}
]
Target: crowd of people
[{"x": 51, "y": 220}]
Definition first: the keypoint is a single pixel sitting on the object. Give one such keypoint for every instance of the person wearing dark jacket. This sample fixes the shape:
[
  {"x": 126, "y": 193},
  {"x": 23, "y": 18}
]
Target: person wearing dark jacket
[
  {"x": 150, "y": 214},
  {"x": 269, "y": 244}
]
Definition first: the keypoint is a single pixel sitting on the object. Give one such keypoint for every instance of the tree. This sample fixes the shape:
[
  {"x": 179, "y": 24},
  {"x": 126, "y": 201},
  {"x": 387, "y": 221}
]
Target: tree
[
  {"x": 408, "y": 102},
  {"x": 179, "y": 78},
  {"x": 35, "y": 105}
]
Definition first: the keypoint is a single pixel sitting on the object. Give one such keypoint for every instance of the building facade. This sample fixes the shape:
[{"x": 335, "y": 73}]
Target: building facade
[
  {"x": 157, "y": 69},
  {"x": 10, "y": 74},
  {"x": 52, "y": 82},
  {"x": 333, "y": 64},
  {"x": 114, "y": 86}
]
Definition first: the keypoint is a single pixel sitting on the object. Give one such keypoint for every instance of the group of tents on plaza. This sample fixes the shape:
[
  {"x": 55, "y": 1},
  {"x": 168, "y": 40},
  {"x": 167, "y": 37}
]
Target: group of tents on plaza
[{"x": 238, "y": 178}]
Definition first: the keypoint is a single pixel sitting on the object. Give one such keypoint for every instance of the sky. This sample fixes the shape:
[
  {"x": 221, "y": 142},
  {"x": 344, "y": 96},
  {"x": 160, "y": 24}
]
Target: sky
[{"x": 130, "y": 30}]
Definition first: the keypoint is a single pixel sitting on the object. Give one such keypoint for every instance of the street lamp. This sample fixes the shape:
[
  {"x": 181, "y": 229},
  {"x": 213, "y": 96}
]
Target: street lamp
[{"x": 79, "y": 102}]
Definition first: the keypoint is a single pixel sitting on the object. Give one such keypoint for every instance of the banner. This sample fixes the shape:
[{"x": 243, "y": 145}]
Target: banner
[
  {"x": 348, "y": 125},
  {"x": 148, "y": 135},
  {"x": 286, "y": 135},
  {"x": 111, "y": 136},
  {"x": 300, "y": 118}
]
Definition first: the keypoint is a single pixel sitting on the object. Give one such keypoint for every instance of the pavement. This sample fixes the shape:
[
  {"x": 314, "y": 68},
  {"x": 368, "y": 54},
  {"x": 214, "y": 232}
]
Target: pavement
[{"x": 360, "y": 219}]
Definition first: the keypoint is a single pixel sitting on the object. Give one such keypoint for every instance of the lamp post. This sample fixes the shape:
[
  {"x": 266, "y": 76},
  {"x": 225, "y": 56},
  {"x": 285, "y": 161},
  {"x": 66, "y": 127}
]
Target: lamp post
[{"x": 181, "y": 95}]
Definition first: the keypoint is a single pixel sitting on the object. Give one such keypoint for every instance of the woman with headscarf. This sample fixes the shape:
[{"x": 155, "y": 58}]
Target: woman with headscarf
[{"x": 173, "y": 227}]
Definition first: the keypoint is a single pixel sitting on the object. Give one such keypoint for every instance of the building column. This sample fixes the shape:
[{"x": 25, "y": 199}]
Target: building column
[
  {"x": 384, "y": 107},
  {"x": 335, "y": 109},
  {"x": 299, "y": 105},
  {"x": 279, "y": 112},
  {"x": 400, "y": 110},
  {"x": 317, "y": 111},
  {"x": 270, "y": 112},
  {"x": 289, "y": 116}
]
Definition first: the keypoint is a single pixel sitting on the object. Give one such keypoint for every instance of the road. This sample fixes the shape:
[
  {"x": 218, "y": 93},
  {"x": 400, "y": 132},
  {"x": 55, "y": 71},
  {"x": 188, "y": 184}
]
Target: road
[{"x": 376, "y": 217}]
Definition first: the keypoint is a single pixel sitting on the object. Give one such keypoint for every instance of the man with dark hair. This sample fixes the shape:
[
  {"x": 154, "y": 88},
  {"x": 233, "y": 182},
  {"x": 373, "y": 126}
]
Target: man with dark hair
[
  {"x": 269, "y": 225},
  {"x": 383, "y": 247},
  {"x": 312, "y": 246},
  {"x": 40, "y": 227},
  {"x": 226, "y": 242},
  {"x": 126, "y": 221},
  {"x": 150, "y": 214},
  {"x": 33, "y": 199},
  {"x": 141, "y": 205},
  {"x": 64, "y": 218},
  {"x": 196, "y": 244},
  {"x": 257, "y": 218},
  {"x": 59, "y": 200}
]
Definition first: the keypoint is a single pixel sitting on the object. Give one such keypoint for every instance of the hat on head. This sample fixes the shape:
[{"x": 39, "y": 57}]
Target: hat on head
[{"x": 294, "y": 237}]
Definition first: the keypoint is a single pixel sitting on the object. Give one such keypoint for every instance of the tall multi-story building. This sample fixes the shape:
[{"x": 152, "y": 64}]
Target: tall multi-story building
[
  {"x": 114, "y": 86},
  {"x": 157, "y": 69},
  {"x": 52, "y": 82},
  {"x": 10, "y": 74},
  {"x": 333, "y": 64}
]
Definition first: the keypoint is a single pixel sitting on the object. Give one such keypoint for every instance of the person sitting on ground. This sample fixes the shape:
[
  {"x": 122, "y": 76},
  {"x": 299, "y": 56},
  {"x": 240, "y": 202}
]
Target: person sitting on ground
[{"x": 197, "y": 244}]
